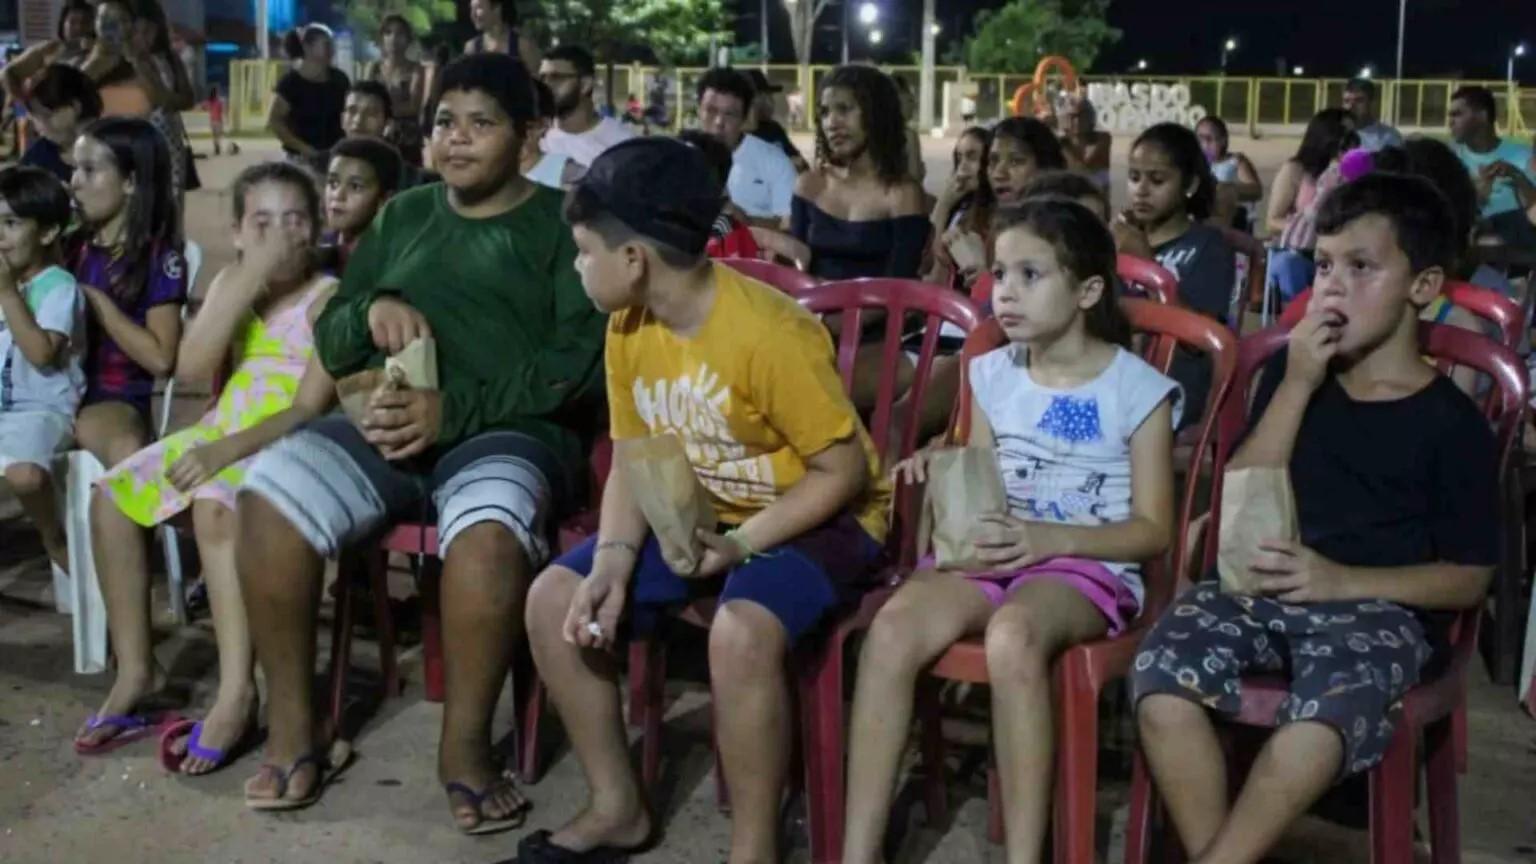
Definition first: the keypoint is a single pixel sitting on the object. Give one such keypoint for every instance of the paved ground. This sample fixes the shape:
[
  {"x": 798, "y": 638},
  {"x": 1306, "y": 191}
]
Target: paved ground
[{"x": 55, "y": 806}]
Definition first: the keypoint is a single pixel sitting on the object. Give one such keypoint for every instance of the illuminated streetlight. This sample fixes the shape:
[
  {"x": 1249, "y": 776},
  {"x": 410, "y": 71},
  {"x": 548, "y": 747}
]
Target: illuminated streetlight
[
  {"x": 1231, "y": 45},
  {"x": 1298, "y": 71},
  {"x": 1227, "y": 48},
  {"x": 875, "y": 36},
  {"x": 1366, "y": 72},
  {"x": 936, "y": 29},
  {"x": 1513, "y": 55},
  {"x": 869, "y": 13},
  {"x": 1141, "y": 65}
]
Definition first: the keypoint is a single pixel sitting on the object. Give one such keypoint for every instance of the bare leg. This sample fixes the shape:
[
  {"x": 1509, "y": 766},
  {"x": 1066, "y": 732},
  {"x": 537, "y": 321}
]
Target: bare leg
[
  {"x": 1186, "y": 761},
  {"x": 926, "y": 616},
  {"x": 932, "y": 415},
  {"x": 583, "y": 685},
  {"x": 867, "y": 374},
  {"x": 485, "y": 581},
  {"x": 280, "y": 581},
  {"x": 231, "y": 714},
  {"x": 747, "y": 646},
  {"x": 1296, "y": 766},
  {"x": 33, "y": 485},
  {"x": 113, "y": 432},
  {"x": 1040, "y": 620}
]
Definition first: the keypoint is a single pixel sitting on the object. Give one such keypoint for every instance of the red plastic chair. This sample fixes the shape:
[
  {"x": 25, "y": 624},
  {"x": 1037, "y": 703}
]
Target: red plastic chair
[
  {"x": 1152, "y": 278},
  {"x": 819, "y": 667},
  {"x": 787, "y": 279},
  {"x": 420, "y": 540},
  {"x": 1082, "y": 672},
  {"x": 1253, "y": 249},
  {"x": 1156, "y": 281},
  {"x": 1430, "y": 708}
]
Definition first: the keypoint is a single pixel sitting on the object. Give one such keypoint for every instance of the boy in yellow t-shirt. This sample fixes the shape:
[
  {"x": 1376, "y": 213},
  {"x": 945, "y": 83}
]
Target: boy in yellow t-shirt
[{"x": 745, "y": 378}]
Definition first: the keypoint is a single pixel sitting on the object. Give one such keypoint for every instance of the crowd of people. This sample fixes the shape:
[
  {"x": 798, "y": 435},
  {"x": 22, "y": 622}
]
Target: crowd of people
[{"x": 561, "y": 265}]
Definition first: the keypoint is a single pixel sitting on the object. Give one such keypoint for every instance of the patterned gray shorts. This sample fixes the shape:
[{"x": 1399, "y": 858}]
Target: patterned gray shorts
[{"x": 1348, "y": 662}]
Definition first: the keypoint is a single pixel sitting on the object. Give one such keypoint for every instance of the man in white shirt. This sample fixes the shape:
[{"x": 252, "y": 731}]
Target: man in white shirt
[
  {"x": 579, "y": 132},
  {"x": 1360, "y": 102},
  {"x": 762, "y": 181}
]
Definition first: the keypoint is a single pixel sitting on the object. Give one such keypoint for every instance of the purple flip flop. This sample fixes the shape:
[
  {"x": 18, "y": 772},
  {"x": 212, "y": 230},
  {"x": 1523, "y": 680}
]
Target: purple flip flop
[
  {"x": 193, "y": 732},
  {"x": 129, "y": 728}
]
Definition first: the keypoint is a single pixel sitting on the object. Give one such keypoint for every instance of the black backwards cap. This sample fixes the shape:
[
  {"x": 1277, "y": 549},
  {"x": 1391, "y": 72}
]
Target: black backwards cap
[{"x": 661, "y": 188}]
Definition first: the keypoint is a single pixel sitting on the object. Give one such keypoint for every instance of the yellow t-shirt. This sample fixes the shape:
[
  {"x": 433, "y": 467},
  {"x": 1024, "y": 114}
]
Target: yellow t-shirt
[{"x": 751, "y": 394}]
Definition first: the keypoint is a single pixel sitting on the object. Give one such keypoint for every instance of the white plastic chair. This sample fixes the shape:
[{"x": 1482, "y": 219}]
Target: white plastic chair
[{"x": 80, "y": 472}]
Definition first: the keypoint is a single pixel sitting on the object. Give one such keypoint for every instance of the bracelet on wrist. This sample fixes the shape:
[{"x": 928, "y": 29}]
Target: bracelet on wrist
[
  {"x": 747, "y": 552},
  {"x": 606, "y": 545}
]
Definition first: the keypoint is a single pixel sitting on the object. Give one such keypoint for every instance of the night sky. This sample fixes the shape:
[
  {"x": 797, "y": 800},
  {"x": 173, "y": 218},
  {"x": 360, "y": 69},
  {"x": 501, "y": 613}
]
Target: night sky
[{"x": 1445, "y": 38}]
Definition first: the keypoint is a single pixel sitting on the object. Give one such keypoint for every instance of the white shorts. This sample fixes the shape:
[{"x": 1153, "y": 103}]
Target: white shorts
[{"x": 33, "y": 437}]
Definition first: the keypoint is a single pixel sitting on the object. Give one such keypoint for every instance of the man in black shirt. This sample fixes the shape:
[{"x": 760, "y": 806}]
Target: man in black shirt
[
  {"x": 768, "y": 128},
  {"x": 1395, "y": 477}
]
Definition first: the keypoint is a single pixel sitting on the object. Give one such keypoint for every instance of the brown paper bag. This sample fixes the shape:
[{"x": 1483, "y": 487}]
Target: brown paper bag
[
  {"x": 675, "y": 504},
  {"x": 964, "y": 484},
  {"x": 416, "y": 364},
  {"x": 1257, "y": 504},
  {"x": 415, "y": 368}
]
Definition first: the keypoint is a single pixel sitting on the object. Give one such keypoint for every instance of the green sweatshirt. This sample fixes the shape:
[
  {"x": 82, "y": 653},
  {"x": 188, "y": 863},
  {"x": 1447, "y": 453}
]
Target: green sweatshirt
[{"x": 519, "y": 345}]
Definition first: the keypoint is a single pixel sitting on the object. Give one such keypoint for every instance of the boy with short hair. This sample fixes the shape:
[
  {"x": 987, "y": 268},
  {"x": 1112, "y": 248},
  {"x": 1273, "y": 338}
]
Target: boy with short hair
[
  {"x": 1395, "y": 477},
  {"x": 61, "y": 102},
  {"x": 42, "y": 341},
  {"x": 366, "y": 110},
  {"x": 745, "y": 378},
  {"x": 364, "y": 173}
]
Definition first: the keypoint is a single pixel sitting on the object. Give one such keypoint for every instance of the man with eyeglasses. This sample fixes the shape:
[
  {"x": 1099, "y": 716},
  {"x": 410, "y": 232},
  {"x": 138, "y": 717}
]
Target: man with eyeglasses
[
  {"x": 762, "y": 180},
  {"x": 579, "y": 133}
]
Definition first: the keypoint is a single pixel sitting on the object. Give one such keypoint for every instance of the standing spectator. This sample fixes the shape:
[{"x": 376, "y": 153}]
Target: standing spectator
[
  {"x": 764, "y": 126},
  {"x": 63, "y": 101},
  {"x": 306, "y": 110},
  {"x": 76, "y": 35},
  {"x": 579, "y": 132},
  {"x": 762, "y": 181},
  {"x": 215, "y": 105},
  {"x": 169, "y": 88},
  {"x": 405, "y": 81},
  {"x": 497, "y": 22},
  {"x": 1360, "y": 102},
  {"x": 1500, "y": 167}
]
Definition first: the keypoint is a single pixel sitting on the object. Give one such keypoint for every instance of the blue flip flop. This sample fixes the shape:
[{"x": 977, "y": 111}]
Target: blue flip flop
[
  {"x": 328, "y": 766},
  {"x": 171, "y": 761},
  {"x": 476, "y": 798}
]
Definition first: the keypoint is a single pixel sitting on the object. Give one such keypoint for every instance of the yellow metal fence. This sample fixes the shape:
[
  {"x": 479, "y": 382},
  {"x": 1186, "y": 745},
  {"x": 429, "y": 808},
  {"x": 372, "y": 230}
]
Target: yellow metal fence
[{"x": 1255, "y": 105}]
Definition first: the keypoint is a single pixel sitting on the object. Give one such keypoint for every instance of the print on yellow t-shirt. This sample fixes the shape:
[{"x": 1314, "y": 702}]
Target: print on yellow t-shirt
[{"x": 751, "y": 394}]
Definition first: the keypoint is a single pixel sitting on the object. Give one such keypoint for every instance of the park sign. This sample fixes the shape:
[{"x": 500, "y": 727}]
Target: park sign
[{"x": 1130, "y": 108}]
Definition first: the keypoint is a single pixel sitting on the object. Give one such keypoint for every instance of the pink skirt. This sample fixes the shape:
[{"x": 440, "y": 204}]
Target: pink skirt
[{"x": 1090, "y": 578}]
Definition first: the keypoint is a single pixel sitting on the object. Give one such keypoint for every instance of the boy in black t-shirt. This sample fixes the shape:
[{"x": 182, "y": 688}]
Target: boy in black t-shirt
[{"x": 1396, "y": 487}]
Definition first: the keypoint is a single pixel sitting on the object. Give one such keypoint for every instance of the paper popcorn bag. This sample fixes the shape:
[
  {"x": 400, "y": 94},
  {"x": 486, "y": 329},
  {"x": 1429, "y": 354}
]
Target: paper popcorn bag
[
  {"x": 964, "y": 485},
  {"x": 675, "y": 504},
  {"x": 415, "y": 368},
  {"x": 1257, "y": 504}
]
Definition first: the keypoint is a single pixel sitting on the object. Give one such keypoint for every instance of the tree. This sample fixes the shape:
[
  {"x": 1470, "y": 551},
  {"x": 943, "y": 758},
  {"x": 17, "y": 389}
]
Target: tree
[
  {"x": 802, "y": 25},
  {"x": 1014, "y": 38},
  {"x": 673, "y": 31},
  {"x": 365, "y": 16}
]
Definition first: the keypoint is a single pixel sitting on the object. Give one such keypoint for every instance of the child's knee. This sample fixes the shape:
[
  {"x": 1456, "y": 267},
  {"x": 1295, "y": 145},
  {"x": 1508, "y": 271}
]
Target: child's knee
[
  {"x": 549, "y": 599},
  {"x": 27, "y": 479},
  {"x": 1159, "y": 715},
  {"x": 213, "y": 523},
  {"x": 745, "y": 642},
  {"x": 1018, "y": 646},
  {"x": 891, "y": 644}
]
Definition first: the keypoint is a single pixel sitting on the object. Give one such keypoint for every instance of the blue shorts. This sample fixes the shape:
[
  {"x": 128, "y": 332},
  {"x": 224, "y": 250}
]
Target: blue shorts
[{"x": 800, "y": 582}]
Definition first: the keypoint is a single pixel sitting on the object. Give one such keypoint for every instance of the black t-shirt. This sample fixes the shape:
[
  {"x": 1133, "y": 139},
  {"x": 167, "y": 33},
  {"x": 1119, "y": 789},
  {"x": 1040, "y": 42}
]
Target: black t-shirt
[
  {"x": 1393, "y": 484},
  {"x": 1207, "y": 272},
  {"x": 45, "y": 154},
  {"x": 314, "y": 107},
  {"x": 773, "y": 133}
]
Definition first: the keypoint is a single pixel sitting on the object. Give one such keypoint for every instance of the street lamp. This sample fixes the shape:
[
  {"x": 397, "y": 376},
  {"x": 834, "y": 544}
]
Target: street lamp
[
  {"x": 869, "y": 13},
  {"x": 1518, "y": 52},
  {"x": 1298, "y": 71},
  {"x": 1227, "y": 48},
  {"x": 1141, "y": 65},
  {"x": 936, "y": 29},
  {"x": 1366, "y": 71},
  {"x": 875, "y": 36}
]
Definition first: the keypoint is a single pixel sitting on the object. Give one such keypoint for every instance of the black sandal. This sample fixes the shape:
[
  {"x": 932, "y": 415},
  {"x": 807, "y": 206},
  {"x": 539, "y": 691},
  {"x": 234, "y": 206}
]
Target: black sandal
[{"x": 538, "y": 848}]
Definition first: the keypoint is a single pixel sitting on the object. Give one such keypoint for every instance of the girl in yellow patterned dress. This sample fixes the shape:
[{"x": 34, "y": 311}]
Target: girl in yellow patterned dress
[{"x": 257, "y": 321}]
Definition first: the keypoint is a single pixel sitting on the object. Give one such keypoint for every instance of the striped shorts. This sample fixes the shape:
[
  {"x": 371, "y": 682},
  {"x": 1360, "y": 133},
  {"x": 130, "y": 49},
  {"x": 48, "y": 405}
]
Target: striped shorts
[{"x": 335, "y": 489}]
